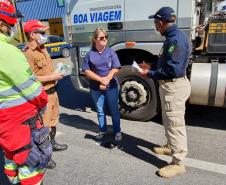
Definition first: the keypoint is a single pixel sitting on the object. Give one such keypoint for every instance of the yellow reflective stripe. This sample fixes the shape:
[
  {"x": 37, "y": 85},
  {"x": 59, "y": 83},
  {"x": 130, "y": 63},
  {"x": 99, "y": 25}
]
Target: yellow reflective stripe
[
  {"x": 10, "y": 165},
  {"x": 22, "y": 93},
  {"x": 15, "y": 89},
  {"x": 26, "y": 172},
  {"x": 14, "y": 101},
  {"x": 55, "y": 44}
]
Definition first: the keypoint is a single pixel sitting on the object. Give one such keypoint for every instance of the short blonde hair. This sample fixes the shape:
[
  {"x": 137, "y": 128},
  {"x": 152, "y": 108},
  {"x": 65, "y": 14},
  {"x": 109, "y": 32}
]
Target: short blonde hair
[{"x": 96, "y": 32}]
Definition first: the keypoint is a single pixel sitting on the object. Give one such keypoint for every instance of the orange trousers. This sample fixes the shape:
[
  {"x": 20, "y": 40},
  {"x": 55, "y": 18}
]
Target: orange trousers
[{"x": 51, "y": 115}]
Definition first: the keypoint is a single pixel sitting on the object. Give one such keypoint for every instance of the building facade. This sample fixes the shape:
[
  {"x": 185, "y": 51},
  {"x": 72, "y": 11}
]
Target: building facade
[{"x": 48, "y": 11}]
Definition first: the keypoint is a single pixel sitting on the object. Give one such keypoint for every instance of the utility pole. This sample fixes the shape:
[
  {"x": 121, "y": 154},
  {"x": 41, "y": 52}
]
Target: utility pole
[{"x": 20, "y": 24}]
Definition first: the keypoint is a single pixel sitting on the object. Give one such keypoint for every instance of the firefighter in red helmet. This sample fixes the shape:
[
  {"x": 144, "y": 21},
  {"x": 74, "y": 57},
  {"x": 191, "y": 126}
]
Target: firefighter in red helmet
[{"x": 23, "y": 138}]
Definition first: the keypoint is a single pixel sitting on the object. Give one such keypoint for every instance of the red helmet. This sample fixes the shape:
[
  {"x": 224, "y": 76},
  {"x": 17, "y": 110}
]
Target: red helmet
[{"x": 8, "y": 12}]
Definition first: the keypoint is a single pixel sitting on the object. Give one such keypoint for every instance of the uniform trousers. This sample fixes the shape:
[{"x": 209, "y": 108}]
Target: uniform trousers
[
  {"x": 51, "y": 115},
  {"x": 173, "y": 95}
]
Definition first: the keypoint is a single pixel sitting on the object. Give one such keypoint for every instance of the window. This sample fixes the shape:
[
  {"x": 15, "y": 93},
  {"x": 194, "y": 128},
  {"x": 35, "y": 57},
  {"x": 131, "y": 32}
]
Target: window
[{"x": 53, "y": 39}]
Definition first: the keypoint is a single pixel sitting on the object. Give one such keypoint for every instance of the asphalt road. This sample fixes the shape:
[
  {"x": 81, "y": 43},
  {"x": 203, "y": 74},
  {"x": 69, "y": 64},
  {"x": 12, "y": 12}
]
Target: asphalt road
[{"x": 133, "y": 163}]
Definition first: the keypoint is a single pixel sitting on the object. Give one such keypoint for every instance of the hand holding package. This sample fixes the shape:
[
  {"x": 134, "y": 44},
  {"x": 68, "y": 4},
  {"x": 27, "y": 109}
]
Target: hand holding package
[{"x": 64, "y": 68}]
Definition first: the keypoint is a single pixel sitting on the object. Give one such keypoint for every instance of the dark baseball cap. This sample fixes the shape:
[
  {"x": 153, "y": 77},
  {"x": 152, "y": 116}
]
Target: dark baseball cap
[{"x": 164, "y": 13}]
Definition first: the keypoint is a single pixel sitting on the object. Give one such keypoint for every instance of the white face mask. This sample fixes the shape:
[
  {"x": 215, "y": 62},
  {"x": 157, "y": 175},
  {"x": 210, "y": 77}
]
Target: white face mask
[
  {"x": 42, "y": 39},
  {"x": 13, "y": 32}
]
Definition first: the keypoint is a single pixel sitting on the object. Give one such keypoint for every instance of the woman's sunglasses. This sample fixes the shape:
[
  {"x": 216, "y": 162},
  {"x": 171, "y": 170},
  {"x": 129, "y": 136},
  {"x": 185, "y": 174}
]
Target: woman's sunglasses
[{"x": 103, "y": 37}]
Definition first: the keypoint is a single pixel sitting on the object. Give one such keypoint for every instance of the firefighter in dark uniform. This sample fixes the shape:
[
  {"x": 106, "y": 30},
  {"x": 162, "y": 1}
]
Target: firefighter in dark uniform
[
  {"x": 174, "y": 89},
  {"x": 41, "y": 64}
]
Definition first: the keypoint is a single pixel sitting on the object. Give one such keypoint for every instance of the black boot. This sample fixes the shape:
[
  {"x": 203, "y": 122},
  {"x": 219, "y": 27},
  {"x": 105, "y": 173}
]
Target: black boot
[
  {"x": 51, "y": 164},
  {"x": 56, "y": 146}
]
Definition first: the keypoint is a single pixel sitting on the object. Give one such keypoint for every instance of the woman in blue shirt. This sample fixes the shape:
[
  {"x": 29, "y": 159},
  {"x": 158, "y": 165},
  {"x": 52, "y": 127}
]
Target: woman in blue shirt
[{"x": 101, "y": 64}]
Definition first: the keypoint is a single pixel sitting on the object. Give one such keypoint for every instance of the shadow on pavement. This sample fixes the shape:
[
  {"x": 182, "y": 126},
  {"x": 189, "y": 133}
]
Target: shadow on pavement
[
  {"x": 78, "y": 122},
  {"x": 207, "y": 117},
  {"x": 70, "y": 98},
  {"x": 3, "y": 178},
  {"x": 130, "y": 144},
  {"x": 201, "y": 116}
]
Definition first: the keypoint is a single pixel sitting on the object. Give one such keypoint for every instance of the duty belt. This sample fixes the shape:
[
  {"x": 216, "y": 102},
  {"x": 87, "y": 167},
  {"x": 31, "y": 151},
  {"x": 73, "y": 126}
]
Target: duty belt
[
  {"x": 51, "y": 90},
  {"x": 32, "y": 121}
]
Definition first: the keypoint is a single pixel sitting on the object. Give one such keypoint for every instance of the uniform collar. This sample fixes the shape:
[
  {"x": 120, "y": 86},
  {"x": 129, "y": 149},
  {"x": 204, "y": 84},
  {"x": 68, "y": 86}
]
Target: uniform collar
[
  {"x": 33, "y": 45},
  {"x": 170, "y": 31}
]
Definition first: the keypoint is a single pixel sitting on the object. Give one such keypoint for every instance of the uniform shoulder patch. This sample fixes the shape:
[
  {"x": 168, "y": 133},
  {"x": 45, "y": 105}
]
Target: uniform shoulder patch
[
  {"x": 29, "y": 71},
  {"x": 171, "y": 48},
  {"x": 25, "y": 48}
]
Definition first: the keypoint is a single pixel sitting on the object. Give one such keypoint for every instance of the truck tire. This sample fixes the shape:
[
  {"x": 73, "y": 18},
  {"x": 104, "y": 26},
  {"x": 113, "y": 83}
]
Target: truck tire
[
  {"x": 65, "y": 52},
  {"x": 138, "y": 97}
]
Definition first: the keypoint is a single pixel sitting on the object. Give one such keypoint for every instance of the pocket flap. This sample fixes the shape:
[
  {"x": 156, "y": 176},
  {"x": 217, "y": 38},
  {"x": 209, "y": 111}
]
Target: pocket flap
[{"x": 41, "y": 63}]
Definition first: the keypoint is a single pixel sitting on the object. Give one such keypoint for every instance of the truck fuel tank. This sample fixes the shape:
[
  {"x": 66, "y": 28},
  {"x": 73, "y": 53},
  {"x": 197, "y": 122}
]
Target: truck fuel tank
[{"x": 208, "y": 84}]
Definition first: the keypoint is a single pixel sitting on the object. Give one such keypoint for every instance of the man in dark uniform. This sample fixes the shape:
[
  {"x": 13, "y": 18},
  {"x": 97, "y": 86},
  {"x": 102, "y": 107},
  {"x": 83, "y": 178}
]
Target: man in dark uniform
[{"x": 174, "y": 89}]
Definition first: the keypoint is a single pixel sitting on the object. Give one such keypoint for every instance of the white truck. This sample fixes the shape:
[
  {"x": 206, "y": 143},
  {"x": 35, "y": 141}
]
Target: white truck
[{"x": 132, "y": 36}]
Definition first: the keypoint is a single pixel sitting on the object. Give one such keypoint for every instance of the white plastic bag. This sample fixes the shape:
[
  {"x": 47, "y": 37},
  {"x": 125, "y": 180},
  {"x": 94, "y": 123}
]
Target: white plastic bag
[
  {"x": 136, "y": 66},
  {"x": 63, "y": 68}
]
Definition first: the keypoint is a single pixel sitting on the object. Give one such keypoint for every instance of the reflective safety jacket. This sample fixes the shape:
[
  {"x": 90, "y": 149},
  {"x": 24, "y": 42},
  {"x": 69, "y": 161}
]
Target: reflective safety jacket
[{"x": 21, "y": 95}]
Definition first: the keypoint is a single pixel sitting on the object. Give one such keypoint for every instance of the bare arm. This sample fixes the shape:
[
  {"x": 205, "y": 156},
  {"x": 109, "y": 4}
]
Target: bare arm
[
  {"x": 93, "y": 76},
  {"x": 112, "y": 73},
  {"x": 109, "y": 77}
]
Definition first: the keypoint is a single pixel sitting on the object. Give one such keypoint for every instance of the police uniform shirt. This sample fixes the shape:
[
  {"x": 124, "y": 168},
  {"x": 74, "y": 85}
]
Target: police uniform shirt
[
  {"x": 101, "y": 64},
  {"x": 39, "y": 61},
  {"x": 174, "y": 56}
]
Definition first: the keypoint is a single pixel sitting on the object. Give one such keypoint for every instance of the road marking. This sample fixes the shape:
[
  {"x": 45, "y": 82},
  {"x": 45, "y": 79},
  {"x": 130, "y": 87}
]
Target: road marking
[
  {"x": 202, "y": 165},
  {"x": 194, "y": 163}
]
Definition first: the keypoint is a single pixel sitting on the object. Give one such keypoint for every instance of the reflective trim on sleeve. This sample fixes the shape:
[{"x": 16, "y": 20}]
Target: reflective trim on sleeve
[
  {"x": 21, "y": 99},
  {"x": 11, "y": 171},
  {"x": 26, "y": 172},
  {"x": 15, "y": 90},
  {"x": 10, "y": 165}
]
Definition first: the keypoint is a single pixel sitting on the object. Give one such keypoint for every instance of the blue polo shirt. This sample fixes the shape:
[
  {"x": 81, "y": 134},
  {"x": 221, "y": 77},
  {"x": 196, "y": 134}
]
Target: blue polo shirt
[
  {"x": 174, "y": 56},
  {"x": 101, "y": 64}
]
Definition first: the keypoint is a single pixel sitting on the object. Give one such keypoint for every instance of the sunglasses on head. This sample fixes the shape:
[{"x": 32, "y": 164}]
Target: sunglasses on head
[{"x": 103, "y": 37}]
